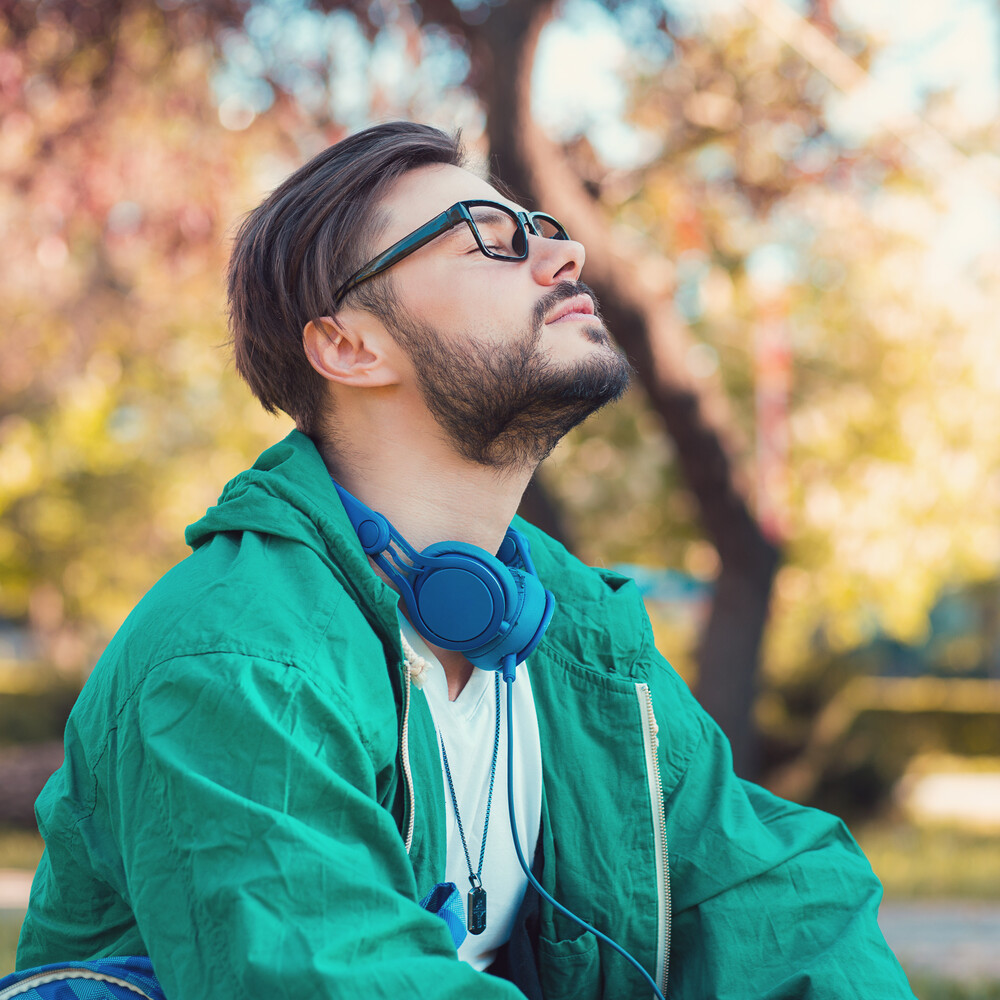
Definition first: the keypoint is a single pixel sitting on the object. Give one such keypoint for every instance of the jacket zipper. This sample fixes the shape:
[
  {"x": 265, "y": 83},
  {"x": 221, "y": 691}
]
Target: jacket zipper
[
  {"x": 664, "y": 914},
  {"x": 405, "y": 748},
  {"x": 55, "y": 975}
]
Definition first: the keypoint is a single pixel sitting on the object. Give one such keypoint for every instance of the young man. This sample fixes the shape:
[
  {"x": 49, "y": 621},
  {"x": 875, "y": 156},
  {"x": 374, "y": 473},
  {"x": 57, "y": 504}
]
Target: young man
[{"x": 273, "y": 764}]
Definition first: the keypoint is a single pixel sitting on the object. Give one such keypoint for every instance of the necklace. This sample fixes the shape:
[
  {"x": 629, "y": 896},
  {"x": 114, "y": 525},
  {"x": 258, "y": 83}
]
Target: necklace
[{"x": 477, "y": 894}]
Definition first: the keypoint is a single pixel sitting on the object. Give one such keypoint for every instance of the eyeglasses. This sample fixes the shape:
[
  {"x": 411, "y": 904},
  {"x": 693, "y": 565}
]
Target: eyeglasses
[{"x": 499, "y": 231}]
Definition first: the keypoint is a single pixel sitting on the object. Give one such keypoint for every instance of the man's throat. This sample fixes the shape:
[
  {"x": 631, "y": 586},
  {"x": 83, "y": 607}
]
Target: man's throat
[{"x": 457, "y": 669}]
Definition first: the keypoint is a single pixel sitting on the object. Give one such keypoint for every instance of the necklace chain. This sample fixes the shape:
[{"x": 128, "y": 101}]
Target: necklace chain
[{"x": 475, "y": 878}]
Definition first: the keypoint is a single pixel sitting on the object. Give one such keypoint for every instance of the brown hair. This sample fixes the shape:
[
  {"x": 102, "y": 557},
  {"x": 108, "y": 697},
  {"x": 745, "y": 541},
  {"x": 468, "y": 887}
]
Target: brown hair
[{"x": 306, "y": 238}]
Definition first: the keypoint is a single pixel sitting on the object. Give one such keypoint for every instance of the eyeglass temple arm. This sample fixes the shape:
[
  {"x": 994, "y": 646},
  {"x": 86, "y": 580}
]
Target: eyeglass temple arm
[{"x": 403, "y": 248}]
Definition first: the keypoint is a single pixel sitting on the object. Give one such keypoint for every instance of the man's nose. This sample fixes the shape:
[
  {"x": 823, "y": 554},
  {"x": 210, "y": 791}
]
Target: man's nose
[{"x": 553, "y": 261}]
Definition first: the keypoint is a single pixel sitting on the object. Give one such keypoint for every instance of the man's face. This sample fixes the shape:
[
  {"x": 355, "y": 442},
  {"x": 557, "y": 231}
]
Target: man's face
[{"x": 508, "y": 355}]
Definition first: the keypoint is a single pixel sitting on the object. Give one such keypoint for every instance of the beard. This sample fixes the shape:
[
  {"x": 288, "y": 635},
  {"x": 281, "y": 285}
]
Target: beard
[{"x": 506, "y": 406}]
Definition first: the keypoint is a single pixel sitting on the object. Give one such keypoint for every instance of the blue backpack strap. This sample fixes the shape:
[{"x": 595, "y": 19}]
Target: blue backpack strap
[{"x": 125, "y": 978}]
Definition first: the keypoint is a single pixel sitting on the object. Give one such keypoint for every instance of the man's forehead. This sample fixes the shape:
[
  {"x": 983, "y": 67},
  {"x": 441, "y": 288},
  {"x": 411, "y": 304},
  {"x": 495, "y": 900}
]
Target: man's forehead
[{"x": 422, "y": 193}]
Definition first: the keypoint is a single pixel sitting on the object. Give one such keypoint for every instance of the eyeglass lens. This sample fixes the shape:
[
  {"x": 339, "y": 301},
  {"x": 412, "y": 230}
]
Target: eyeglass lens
[{"x": 502, "y": 234}]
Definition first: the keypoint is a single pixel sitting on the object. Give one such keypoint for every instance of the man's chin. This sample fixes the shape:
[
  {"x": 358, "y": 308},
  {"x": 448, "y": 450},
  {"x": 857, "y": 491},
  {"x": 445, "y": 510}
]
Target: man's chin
[{"x": 507, "y": 405}]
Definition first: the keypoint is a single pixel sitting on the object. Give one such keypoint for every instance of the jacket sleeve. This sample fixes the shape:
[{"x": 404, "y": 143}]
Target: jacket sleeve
[
  {"x": 770, "y": 899},
  {"x": 256, "y": 858}
]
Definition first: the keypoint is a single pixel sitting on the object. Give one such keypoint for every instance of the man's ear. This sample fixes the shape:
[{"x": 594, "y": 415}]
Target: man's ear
[{"x": 353, "y": 353}]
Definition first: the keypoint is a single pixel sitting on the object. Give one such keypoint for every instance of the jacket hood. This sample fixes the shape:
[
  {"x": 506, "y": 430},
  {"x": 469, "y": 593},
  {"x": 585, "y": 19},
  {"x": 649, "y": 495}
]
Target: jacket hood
[{"x": 288, "y": 493}]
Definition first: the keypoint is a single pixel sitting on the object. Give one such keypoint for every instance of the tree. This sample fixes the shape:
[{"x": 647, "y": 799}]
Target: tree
[{"x": 133, "y": 135}]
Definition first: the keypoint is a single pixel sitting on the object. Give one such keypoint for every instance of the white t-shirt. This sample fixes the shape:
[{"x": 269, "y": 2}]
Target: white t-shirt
[{"x": 468, "y": 727}]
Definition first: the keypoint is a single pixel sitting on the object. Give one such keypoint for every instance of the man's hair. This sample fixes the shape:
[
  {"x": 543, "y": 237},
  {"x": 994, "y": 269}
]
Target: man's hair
[{"x": 302, "y": 242}]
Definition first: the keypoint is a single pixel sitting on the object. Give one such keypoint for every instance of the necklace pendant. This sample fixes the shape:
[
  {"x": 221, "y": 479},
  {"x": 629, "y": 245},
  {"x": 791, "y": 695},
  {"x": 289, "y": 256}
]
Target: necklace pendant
[{"x": 477, "y": 910}]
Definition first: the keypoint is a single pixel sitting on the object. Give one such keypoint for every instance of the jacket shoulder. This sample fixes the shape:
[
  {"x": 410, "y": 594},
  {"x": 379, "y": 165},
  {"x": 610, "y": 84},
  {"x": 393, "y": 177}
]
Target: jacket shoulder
[
  {"x": 559, "y": 569},
  {"x": 600, "y": 625},
  {"x": 244, "y": 593},
  {"x": 242, "y": 599}
]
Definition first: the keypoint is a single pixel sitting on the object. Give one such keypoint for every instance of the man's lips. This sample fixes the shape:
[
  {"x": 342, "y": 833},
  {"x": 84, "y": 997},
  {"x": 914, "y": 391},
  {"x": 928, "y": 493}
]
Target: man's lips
[{"x": 578, "y": 307}]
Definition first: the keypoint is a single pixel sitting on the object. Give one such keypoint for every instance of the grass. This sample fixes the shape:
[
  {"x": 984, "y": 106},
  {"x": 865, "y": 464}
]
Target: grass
[
  {"x": 10, "y": 927},
  {"x": 20, "y": 849},
  {"x": 933, "y": 863},
  {"x": 931, "y": 988}
]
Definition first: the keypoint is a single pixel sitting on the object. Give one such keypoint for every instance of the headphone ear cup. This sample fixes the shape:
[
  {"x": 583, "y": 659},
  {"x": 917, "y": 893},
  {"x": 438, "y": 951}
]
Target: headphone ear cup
[
  {"x": 463, "y": 595},
  {"x": 531, "y": 613}
]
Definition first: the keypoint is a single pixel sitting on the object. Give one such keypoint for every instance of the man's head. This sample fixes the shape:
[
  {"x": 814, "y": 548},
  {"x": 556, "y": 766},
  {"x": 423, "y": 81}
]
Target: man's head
[
  {"x": 310, "y": 234},
  {"x": 505, "y": 346}
]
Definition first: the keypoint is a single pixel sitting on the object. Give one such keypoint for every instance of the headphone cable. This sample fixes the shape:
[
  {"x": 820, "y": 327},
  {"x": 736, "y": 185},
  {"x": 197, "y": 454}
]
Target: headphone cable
[{"x": 508, "y": 677}]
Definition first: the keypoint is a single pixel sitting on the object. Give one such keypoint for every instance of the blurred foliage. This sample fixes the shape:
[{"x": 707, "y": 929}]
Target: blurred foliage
[
  {"x": 35, "y": 713},
  {"x": 119, "y": 420},
  {"x": 928, "y": 987},
  {"x": 125, "y": 166},
  {"x": 850, "y": 725}
]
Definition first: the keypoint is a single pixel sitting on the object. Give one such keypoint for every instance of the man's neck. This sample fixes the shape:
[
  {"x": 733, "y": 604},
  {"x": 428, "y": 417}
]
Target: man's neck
[{"x": 430, "y": 494}]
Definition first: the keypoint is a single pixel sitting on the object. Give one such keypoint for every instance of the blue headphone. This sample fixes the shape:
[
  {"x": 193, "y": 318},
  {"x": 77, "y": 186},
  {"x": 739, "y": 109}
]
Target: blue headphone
[{"x": 493, "y": 609}]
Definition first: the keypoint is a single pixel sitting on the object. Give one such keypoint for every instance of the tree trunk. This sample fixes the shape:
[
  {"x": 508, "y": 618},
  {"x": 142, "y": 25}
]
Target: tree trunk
[{"x": 642, "y": 318}]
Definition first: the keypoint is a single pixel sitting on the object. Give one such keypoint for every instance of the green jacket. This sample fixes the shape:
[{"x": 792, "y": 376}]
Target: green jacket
[{"x": 252, "y": 794}]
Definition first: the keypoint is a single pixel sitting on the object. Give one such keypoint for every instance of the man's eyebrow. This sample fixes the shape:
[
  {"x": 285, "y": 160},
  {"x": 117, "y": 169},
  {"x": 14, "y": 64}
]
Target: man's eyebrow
[{"x": 488, "y": 215}]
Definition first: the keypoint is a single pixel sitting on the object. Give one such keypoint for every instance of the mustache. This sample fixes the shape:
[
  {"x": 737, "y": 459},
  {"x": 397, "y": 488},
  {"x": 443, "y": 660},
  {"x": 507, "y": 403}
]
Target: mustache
[{"x": 564, "y": 290}]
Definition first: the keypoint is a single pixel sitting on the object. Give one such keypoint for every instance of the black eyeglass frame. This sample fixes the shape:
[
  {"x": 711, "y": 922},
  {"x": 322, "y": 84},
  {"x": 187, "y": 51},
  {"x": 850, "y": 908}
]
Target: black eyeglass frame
[{"x": 448, "y": 219}]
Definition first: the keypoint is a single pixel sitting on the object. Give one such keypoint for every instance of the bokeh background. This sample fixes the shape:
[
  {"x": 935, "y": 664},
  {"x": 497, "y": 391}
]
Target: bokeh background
[{"x": 791, "y": 210}]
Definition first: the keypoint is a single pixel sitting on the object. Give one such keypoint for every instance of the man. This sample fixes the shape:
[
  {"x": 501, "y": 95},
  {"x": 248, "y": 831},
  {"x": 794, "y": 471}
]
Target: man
[{"x": 272, "y": 766}]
